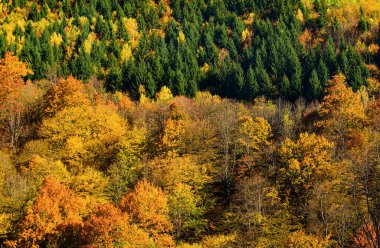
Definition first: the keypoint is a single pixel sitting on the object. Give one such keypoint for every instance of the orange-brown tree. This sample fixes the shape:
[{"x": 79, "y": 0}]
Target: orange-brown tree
[
  {"x": 148, "y": 207},
  {"x": 55, "y": 208}
]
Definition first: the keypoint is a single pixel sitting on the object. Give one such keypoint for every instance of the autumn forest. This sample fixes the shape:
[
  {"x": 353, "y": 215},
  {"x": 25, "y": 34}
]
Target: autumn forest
[{"x": 190, "y": 123}]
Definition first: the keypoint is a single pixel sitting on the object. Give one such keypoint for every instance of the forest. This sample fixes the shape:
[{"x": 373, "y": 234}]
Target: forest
[{"x": 190, "y": 123}]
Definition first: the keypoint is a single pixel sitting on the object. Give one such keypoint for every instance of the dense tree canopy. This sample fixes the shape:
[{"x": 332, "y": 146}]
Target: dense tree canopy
[{"x": 203, "y": 123}]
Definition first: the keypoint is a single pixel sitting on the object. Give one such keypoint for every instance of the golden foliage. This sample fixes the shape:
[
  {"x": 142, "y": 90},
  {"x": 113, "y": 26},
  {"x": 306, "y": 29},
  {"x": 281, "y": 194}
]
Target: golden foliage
[
  {"x": 254, "y": 133},
  {"x": 373, "y": 49},
  {"x": 84, "y": 135},
  {"x": 341, "y": 110},
  {"x": 169, "y": 172},
  {"x": 300, "y": 16},
  {"x": 126, "y": 52},
  {"x": 246, "y": 36},
  {"x": 56, "y": 39},
  {"x": 66, "y": 93},
  {"x": 302, "y": 240},
  {"x": 108, "y": 225},
  {"x": 306, "y": 37},
  {"x": 38, "y": 168},
  {"x": 133, "y": 31},
  {"x": 164, "y": 94},
  {"x": 12, "y": 72},
  {"x": 181, "y": 37},
  {"x": 305, "y": 160},
  {"x": 87, "y": 44},
  {"x": 148, "y": 208},
  {"x": 55, "y": 207}
]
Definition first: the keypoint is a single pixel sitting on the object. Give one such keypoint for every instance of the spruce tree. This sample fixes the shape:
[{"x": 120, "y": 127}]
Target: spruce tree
[
  {"x": 251, "y": 87},
  {"x": 314, "y": 87}
]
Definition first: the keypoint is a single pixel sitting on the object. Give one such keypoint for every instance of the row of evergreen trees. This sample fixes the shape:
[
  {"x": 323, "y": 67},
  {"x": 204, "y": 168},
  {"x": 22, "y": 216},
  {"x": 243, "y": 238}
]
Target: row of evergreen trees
[{"x": 211, "y": 54}]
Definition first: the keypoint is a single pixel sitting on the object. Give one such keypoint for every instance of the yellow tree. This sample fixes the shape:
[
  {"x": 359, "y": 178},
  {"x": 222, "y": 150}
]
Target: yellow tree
[
  {"x": 185, "y": 211},
  {"x": 168, "y": 172},
  {"x": 302, "y": 162},
  {"x": 342, "y": 112},
  {"x": 84, "y": 135},
  {"x": 148, "y": 208},
  {"x": 253, "y": 136},
  {"x": 172, "y": 138},
  {"x": 164, "y": 95}
]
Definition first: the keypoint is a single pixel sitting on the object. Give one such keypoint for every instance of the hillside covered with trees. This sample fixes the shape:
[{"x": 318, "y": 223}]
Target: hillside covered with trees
[{"x": 189, "y": 123}]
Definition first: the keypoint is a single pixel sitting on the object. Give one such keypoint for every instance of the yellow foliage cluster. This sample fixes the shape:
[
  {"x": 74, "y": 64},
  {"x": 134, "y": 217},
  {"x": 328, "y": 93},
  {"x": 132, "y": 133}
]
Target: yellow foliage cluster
[
  {"x": 84, "y": 134},
  {"x": 88, "y": 42},
  {"x": 56, "y": 39},
  {"x": 164, "y": 95},
  {"x": 342, "y": 110},
  {"x": 205, "y": 68},
  {"x": 373, "y": 49},
  {"x": 126, "y": 52},
  {"x": 68, "y": 92},
  {"x": 181, "y": 37},
  {"x": 169, "y": 172},
  {"x": 133, "y": 30},
  {"x": 302, "y": 240},
  {"x": 246, "y": 35},
  {"x": 72, "y": 31},
  {"x": 148, "y": 206},
  {"x": 40, "y": 26},
  {"x": 15, "y": 18},
  {"x": 83, "y": 20},
  {"x": 300, "y": 16},
  {"x": 249, "y": 20},
  {"x": 254, "y": 133},
  {"x": 307, "y": 158}
]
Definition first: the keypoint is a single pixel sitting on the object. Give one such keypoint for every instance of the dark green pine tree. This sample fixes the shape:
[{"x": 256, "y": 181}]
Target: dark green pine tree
[
  {"x": 343, "y": 62},
  {"x": 3, "y": 45},
  {"x": 34, "y": 15},
  {"x": 314, "y": 86},
  {"x": 180, "y": 83},
  {"x": 265, "y": 83},
  {"x": 84, "y": 67},
  {"x": 364, "y": 24},
  {"x": 234, "y": 81},
  {"x": 266, "y": 86},
  {"x": 211, "y": 50},
  {"x": 330, "y": 56},
  {"x": 221, "y": 37},
  {"x": 114, "y": 78},
  {"x": 323, "y": 73},
  {"x": 150, "y": 85},
  {"x": 251, "y": 87},
  {"x": 284, "y": 87},
  {"x": 44, "y": 10},
  {"x": 129, "y": 82},
  {"x": 67, "y": 7},
  {"x": 294, "y": 70}
]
